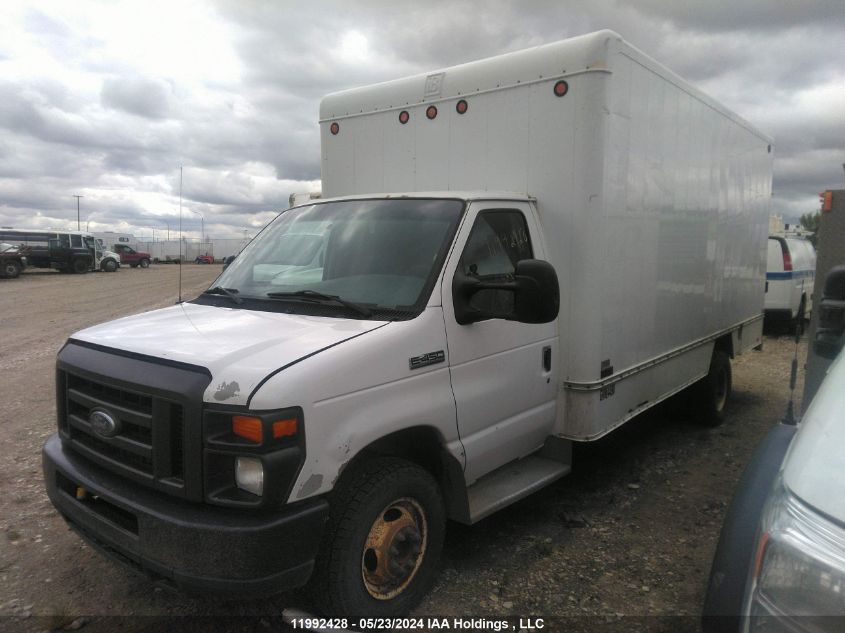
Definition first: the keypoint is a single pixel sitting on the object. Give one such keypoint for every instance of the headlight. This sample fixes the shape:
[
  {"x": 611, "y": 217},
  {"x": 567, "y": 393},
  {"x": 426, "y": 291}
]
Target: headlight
[
  {"x": 249, "y": 475},
  {"x": 799, "y": 577}
]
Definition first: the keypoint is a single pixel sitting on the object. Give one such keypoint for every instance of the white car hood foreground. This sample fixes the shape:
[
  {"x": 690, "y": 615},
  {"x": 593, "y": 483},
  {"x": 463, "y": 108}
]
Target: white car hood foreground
[
  {"x": 814, "y": 468},
  {"x": 239, "y": 347}
]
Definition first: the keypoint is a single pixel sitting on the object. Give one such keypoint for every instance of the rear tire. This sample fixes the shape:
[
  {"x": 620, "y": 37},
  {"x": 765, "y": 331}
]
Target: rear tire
[
  {"x": 382, "y": 542},
  {"x": 714, "y": 390},
  {"x": 145, "y": 263}
]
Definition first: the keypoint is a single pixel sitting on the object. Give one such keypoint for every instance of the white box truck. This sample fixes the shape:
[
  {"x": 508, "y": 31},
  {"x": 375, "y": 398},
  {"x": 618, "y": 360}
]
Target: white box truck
[{"x": 590, "y": 239}]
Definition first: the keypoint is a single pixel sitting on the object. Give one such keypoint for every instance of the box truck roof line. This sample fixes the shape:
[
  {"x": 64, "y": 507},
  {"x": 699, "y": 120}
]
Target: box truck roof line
[
  {"x": 578, "y": 56},
  {"x": 560, "y": 89}
]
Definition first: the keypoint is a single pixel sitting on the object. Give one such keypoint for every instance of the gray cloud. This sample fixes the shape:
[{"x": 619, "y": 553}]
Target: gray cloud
[
  {"x": 144, "y": 97},
  {"x": 118, "y": 133}
]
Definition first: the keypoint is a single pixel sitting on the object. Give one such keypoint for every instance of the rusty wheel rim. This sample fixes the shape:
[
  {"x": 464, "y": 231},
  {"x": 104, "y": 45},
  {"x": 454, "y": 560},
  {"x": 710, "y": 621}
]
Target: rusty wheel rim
[{"x": 394, "y": 549}]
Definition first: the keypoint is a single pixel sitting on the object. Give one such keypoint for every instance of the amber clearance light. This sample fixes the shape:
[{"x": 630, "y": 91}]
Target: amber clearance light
[{"x": 284, "y": 428}]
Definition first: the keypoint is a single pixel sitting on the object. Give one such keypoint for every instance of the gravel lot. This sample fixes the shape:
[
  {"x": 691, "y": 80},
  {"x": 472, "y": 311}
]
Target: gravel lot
[{"x": 631, "y": 531}]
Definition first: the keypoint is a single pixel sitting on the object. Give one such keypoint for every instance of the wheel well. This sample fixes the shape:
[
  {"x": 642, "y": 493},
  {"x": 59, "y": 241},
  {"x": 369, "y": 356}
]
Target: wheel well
[
  {"x": 423, "y": 446},
  {"x": 724, "y": 344}
]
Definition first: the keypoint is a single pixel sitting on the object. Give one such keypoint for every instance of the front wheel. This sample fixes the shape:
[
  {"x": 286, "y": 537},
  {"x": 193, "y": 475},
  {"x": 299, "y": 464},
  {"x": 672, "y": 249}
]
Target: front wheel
[
  {"x": 382, "y": 543},
  {"x": 714, "y": 390},
  {"x": 11, "y": 269},
  {"x": 145, "y": 263},
  {"x": 109, "y": 266}
]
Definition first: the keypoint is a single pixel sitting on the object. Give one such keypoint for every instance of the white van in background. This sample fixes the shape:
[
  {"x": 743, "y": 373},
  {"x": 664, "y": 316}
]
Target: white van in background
[{"x": 790, "y": 274}]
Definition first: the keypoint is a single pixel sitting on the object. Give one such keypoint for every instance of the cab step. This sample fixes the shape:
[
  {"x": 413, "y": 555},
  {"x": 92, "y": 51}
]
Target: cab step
[{"x": 512, "y": 482}]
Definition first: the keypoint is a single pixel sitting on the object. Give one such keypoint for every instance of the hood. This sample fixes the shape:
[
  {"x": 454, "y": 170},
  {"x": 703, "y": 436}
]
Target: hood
[
  {"x": 238, "y": 347},
  {"x": 815, "y": 463}
]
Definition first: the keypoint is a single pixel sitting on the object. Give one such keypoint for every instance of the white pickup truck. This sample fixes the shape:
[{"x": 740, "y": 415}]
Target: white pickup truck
[{"x": 509, "y": 256}]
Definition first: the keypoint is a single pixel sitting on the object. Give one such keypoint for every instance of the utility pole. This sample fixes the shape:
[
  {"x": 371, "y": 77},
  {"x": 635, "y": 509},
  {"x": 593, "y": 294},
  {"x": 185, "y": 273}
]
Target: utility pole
[{"x": 78, "y": 223}]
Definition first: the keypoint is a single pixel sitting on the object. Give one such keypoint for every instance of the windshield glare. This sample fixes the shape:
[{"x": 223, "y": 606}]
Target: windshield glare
[{"x": 380, "y": 253}]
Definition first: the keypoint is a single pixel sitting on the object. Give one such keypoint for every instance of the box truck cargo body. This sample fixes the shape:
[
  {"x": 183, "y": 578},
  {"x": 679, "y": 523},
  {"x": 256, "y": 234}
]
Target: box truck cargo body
[
  {"x": 509, "y": 255},
  {"x": 653, "y": 201}
]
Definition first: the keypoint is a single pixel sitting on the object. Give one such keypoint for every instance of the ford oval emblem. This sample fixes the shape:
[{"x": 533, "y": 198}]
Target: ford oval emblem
[{"x": 103, "y": 423}]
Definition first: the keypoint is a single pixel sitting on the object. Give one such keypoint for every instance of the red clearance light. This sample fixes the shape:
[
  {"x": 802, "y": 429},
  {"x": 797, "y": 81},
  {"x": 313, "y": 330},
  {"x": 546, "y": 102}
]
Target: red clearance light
[
  {"x": 431, "y": 112},
  {"x": 335, "y": 128},
  {"x": 284, "y": 428},
  {"x": 461, "y": 107},
  {"x": 787, "y": 258},
  {"x": 827, "y": 201},
  {"x": 403, "y": 117},
  {"x": 247, "y": 427},
  {"x": 561, "y": 88}
]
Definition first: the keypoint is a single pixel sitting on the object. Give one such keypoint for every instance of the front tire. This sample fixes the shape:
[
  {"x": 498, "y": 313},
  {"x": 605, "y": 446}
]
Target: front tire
[
  {"x": 145, "y": 263},
  {"x": 382, "y": 543},
  {"x": 714, "y": 390},
  {"x": 11, "y": 269},
  {"x": 109, "y": 266}
]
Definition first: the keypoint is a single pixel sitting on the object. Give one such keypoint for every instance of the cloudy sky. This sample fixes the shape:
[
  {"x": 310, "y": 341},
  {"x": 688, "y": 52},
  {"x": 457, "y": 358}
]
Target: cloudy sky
[{"x": 107, "y": 99}]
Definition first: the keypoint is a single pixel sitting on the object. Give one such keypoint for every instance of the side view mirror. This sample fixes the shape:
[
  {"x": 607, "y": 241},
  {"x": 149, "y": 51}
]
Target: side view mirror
[
  {"x": 829, "y": 333},
  {"x": 534, "y": 285}
]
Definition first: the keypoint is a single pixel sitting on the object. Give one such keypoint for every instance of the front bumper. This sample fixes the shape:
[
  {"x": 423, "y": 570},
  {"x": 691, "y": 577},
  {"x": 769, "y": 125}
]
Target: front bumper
[{"x": 192, "y": 546}]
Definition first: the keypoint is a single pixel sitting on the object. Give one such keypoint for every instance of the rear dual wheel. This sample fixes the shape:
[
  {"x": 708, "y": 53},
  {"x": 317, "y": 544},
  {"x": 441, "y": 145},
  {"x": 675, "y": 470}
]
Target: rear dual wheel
[
  {"x": 382, "y": 543},
  {"x": 712, "y": 391}
]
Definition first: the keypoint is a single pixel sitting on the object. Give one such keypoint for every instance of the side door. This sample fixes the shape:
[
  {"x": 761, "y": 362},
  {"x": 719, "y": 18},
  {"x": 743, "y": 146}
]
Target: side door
[
  {"x": 60, "y": 250},
  {"x": 503, "y": 372}
]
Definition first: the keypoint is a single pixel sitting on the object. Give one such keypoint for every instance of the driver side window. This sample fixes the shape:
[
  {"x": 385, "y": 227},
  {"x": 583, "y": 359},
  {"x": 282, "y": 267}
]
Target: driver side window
[{"x": 499, "y": 239}]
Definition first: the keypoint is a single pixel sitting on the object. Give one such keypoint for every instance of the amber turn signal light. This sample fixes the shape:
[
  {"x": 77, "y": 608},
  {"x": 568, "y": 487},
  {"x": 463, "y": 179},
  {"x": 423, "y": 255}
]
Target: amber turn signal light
[{"x": 247, "y": 427}]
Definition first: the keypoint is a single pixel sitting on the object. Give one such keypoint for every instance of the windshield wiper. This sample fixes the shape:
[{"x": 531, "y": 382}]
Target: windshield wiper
[
  {"x": 229, "y": 292},
  {"x": 319, "y": 297}
]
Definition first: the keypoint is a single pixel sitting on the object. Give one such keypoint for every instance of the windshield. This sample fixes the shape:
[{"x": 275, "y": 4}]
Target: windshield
[{"x": 382, "y": 254}]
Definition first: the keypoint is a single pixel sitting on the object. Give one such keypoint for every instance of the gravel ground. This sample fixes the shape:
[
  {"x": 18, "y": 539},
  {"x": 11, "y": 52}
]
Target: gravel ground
[{"x": 631, "y": 532}]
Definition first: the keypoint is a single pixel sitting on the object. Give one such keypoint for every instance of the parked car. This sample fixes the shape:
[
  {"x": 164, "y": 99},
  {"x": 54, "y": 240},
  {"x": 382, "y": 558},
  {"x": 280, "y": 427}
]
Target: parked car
[
  {"x": 131, "y": 257},
  {"x": 780, "y": 561},
  {"x": 790, "y": 276},
  {"x": 204, "y": 259}
]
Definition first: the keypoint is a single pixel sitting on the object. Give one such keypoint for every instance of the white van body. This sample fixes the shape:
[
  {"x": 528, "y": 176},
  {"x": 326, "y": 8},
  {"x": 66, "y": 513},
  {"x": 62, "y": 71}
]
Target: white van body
[
  {"x": 649, "y": 199},
  {"x": 790, "y": 278}
]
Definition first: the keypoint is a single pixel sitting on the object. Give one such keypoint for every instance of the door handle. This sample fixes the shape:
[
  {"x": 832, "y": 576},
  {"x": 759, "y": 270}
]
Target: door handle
[{"x": 547, "y": 358}]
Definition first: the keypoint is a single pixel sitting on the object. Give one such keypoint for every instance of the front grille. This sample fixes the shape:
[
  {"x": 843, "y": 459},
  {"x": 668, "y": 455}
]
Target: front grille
[{"x": 149, "y": 442}]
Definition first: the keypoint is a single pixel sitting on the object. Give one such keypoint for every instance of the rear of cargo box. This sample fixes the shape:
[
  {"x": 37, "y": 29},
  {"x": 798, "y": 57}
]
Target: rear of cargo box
[
  {"x": 653, "y": 201},
  {"x": 686, "y": 188}
]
